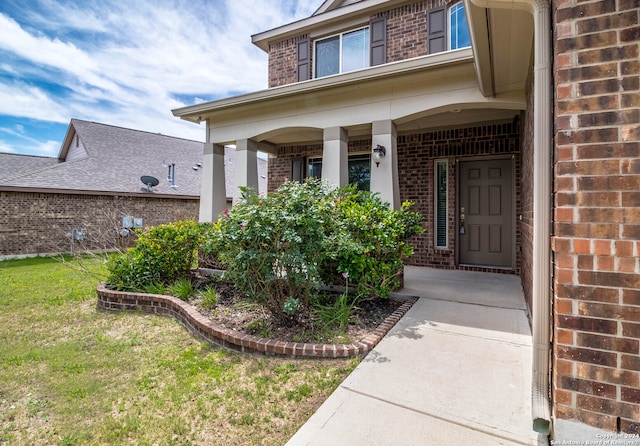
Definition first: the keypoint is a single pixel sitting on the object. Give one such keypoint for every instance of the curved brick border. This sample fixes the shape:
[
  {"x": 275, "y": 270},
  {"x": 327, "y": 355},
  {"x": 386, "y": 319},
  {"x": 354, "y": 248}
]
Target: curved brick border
[{"x": 212, "y": 333}]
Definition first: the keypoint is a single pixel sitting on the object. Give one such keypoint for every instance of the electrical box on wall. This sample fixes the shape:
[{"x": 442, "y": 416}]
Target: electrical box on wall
[{"x": 129, "y": 222}]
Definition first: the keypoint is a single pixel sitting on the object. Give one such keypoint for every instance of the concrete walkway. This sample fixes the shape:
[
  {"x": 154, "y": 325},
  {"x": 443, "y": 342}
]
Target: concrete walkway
[{"x": 456, "y": 370}]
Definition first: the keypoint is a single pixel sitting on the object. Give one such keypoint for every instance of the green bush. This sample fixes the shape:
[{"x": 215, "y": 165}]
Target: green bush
[
  {"x": 162, "y": 255},
  {"x": 372, "y": 243},
  {"x": 273, "y": 246},
  {"x": 281, "y": 248}
]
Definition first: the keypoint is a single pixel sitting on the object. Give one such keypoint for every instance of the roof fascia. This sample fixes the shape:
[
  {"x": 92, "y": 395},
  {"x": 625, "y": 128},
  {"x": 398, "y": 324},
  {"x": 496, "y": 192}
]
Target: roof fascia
[
  {"x": 478, "y": 22},
  {"x": 193, "y": 113},
  {"x": 66, "y": 142},
  {"x": 43, "y": 190},
  {"x": 263, "y": 39}
]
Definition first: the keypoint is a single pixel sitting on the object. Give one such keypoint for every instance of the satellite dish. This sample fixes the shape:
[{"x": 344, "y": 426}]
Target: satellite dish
[{"x": 149, "y": 181}]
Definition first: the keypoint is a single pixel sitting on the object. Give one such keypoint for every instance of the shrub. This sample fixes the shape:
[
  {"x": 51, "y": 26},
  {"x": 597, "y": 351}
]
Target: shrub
[
  {"x": 279, "y": 249},
  {"x": 162, "y": 255},
  {"x": 372, "y": 242},
  {"x": 273, "y": 246}
]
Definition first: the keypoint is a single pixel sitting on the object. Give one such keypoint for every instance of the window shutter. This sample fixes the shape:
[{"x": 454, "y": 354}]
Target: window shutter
[
  {"x": 304, "y": 60},
  {"x": 437, "y": 30},
  {"x": 297, "y": 169},
  {"x": 378, "y": 40}
]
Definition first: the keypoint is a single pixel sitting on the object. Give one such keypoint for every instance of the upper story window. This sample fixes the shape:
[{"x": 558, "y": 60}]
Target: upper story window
[
  {"x": 458, "y": 30},
  {"x": 342, "y": 53},
  {"x": 447, "y": 29}
]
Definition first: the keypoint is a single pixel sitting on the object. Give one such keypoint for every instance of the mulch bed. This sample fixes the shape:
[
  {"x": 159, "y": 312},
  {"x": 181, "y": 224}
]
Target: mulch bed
[{"x": 251, "y": 318}]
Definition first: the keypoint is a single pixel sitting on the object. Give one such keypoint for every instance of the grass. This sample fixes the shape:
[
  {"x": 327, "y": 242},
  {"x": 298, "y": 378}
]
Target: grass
[{"x": 71, "y": 375}]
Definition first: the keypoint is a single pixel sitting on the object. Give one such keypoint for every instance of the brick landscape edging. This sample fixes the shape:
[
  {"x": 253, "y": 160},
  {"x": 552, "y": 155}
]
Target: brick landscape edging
[{"x": 201, "y": 326}]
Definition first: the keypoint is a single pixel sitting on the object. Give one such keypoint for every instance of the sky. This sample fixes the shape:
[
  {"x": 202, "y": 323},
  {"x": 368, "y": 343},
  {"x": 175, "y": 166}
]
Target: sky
[{"x": 126, "y": 63}]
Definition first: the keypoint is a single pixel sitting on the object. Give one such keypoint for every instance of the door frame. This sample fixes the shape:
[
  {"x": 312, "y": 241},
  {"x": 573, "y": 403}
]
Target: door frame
[{"x": 512, "y": 158}]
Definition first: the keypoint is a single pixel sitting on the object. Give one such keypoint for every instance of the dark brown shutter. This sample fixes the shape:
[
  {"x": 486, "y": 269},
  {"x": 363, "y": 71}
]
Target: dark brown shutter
[
  {"x": 378, "y": 39},
  {"x": 437, "y": 30},
  {"x": 297, "y": 169},
  {"x": 304, "y": 60}
]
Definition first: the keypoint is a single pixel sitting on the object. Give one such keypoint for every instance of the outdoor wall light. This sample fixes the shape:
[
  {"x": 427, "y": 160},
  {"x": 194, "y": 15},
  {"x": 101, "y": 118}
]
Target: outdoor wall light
[{"x": 378, "y": 153}]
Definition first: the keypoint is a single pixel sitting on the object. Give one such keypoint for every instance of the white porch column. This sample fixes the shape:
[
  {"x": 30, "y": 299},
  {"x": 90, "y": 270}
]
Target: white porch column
[
  {"x": 335, "y": 169},
  {"x": 384, "y": 178},
  {"x": 213, "y": 195},
  {"x": 246, "y": 166}
]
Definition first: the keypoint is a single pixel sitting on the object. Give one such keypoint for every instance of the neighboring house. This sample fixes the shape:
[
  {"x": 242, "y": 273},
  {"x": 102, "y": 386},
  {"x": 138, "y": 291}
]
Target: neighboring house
[
  {"x": 514, "y": 127},
  {"x": 92, "y": 194}
]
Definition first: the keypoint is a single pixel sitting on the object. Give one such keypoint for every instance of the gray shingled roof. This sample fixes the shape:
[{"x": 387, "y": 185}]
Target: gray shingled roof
[
  {"x": 11, "y": 164},
  {"x": 113, "y": 161}
]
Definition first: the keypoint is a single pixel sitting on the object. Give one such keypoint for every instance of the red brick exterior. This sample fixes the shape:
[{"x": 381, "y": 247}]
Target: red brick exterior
[
  {"x": 416, "y": 156},
  {"x": 596, "y": 247},
  {"x": 283, "y": 62},
  {"x": 38, "y": 223}
]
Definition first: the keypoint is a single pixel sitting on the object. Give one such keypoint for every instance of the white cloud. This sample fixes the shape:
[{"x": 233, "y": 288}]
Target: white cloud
[
  {"x": 47, "y": 148},
  {"x": 6, "y": 148},
  {"x": 19, "y": 99},
  {"x": 130, "y": 63}
]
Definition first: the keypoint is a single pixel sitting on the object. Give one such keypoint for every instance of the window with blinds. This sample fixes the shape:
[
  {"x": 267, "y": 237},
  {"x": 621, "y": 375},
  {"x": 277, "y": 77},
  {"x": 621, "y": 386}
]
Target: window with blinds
[
  {"x": 441, "y": 204},
  {"x": 342, "y": 53}
]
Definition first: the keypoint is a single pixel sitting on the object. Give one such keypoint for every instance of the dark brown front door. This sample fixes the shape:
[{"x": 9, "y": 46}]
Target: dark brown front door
[{"x": 486, "y": 213}]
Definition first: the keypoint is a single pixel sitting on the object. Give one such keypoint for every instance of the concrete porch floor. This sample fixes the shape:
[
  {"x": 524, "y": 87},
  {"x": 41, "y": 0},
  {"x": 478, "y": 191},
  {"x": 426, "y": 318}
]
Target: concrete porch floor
[{"x": 456, "y": 370}]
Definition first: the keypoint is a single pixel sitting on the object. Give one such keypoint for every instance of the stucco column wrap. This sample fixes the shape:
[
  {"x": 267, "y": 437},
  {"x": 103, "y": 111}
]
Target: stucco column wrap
[
  {"x": 384, "y": 178},
  {"x": 246, "y": 166},
  {"x": 335, "y": 159},
  {"x": 213, "y": 195}
]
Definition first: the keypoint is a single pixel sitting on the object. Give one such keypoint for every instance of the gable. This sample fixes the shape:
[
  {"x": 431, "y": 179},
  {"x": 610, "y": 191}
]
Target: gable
[
  {"x": 330, "y": 5},
  {"x": 72, "y": 147}
]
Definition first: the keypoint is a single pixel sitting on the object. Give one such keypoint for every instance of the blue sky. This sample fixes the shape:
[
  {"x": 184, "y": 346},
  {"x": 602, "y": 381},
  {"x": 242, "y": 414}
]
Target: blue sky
[{"x": 126, "y": 63}]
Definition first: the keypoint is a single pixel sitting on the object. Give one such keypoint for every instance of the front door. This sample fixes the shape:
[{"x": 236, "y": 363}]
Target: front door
[{"x": 486, "y": 213}]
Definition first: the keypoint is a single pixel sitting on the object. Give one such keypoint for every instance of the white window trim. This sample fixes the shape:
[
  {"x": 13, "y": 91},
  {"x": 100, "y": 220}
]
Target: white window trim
[
  {"x": 435, "y": 204},
  {"x": 315, "y": 41}
]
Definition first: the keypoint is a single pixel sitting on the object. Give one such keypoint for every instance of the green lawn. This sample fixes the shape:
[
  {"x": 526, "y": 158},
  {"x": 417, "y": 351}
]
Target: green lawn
[{"x": 72, "y": 375}]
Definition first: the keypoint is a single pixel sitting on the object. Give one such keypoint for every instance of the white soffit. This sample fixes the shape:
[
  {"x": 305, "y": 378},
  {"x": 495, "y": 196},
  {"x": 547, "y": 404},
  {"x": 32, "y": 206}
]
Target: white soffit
[{"x": 512, "y": 45}]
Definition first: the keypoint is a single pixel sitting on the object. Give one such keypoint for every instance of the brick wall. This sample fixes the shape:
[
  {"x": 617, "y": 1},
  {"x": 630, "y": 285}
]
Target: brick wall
[
  {"x": 283, "y": 66},
  {"x": 597, "y": 216},
  {"x": 416, "y": 156},
  {"x": 38, "y": 223}
]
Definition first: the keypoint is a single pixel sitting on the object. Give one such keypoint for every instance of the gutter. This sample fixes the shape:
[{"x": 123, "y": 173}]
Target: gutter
[
  {"x": 542, "y": 166},
  {"x": 44, "y": 190}
]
